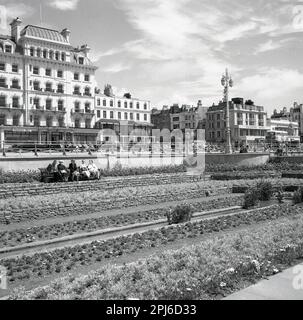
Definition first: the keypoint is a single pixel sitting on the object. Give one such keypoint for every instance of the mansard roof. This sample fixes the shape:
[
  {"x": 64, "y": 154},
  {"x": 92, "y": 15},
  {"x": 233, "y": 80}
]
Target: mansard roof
[{"x": 43, "y": 33}]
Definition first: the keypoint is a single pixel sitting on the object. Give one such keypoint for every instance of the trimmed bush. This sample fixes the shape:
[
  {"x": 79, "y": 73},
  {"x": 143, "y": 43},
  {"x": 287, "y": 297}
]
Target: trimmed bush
[{"x": 182, "y": 213}]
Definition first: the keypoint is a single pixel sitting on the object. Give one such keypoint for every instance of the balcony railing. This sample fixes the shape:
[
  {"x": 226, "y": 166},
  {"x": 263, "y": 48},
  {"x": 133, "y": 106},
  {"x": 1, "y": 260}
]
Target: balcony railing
[
  {"x": 16, "y": 87},
  {"x": 76, "y": 93},
  {"x": 60, "y": 91},
  {"x": 3, "y": 86},
  {"x": 61, "y": 110},
  {"x": 49, "y": 90},
  {"x": 10, "y": 106}
]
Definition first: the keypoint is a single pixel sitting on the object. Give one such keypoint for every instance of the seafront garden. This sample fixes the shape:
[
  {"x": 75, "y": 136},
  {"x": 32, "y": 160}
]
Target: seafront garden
[{"x": 115, "y": 238}]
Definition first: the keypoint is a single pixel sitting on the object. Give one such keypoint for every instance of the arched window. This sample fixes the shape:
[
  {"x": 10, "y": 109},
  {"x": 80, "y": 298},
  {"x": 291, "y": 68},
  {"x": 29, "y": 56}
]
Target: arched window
[
  {"x": 51, "y": 54},
  {"x": 125, "y": 104},
  {"x": 138, "y": 105},
  {"x": 44, "y": 53}
]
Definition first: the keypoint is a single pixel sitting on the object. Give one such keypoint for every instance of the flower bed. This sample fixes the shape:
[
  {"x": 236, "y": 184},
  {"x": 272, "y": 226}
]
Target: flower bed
[
  {"x": 251, "y": 175},
  {"x": 209, "y": 270},
  {"x": 66, "y": 204},
  {"x": 69, "y": 258},
  {"x": 21, "y": 236}
]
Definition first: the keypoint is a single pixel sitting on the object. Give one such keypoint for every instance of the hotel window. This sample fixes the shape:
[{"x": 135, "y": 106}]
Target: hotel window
[
  {"x": 8, "y": 49},
  {"x": 131, "y": 116},
  {"x": 87, "y": 91},
  {"x": 76, "y": 76},
  {"x": 125, "y": 104},
  {"x": 36, "y": 103},
  {"x": 15, "y": 102},
  {"x": 104, "y": 103},
  {"x": 119, "y": 115},
  {"x": 57, "y": 55},
  {"x": 48, "y": 87},
  {"x": 88, "y": 123},
  {"x": 125, "y": 116},
  {"x": 3, "y": 83},
  {"x": 111, "y": 103},
  {"x": 38, "y": 52},
  {"x": 138, "y": 105},
  {"x": 44, "y": 53},
  {"x": 60, "y": 88},
  {"x": 63, "y": 56},
  {"x": 36, "y": 70},
  {"x": 77, "y": 123},
  {"x": 48, "y": 104},
  {"x": 81, "y": 60},
  {"x": 87, "y": 107},
  {"x": 98, "y": 102},
  {"x": 77, "y": 90},
  {"x": 145, "y": 117},
  {"x": 2, "y": 101},
  {"x": 2, "y": 66},
  {"x": 60, "y": 105},
  {"x": 138, "y": 116},
  {"x": 104, "y": 115},
  {"x": 86, "y": 77},
  {"x": 15, "y": 68},
  {"x": 48, "y": 72},
  {"x": 119, "y": 104},
  {"x": 32, "y": 51},
  {"x": 98, "y": 114},
  {"x": 77, "y": 106},
  {"x": 37, "y": 85},
  {"x": 15, "y": 84},
  {"x": 60, "y": 74}
]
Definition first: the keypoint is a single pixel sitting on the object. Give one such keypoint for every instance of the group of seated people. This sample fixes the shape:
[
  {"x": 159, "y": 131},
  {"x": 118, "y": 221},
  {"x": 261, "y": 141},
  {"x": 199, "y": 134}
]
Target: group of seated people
[{"x": 74, "y": 172}]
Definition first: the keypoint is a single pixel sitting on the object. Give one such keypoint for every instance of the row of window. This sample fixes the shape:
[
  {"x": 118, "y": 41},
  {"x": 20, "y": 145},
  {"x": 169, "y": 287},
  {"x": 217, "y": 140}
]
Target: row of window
[
  {"x": 3, "y": 120},
  {"x": 15, "y": 102},
  {"x": 47, "y": 54},
  {"x": 15, "y": 84},
  {"x": 58, "y": 74},
  {"x": 127, "y": 116},
  {"x": 126, "y": 104},
  {"x": 3, "y": 67}
]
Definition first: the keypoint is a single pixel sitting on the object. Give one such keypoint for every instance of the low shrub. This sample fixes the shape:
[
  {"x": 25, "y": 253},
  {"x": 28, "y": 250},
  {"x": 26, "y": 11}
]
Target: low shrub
[
  {"x": 265, "y": 190},
  {"x": 20, "y": 176},
  {"x": 182, "y": 213},
  {"x": 298, "y": 196},
  {"x": 251, "y": 198}
]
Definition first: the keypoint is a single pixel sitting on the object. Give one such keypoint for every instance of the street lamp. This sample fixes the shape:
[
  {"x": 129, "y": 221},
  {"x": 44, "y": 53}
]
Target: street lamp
[{"x": 227, "y": 83}]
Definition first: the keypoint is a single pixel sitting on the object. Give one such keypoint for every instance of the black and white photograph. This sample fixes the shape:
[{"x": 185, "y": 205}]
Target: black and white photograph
[{"x": 151, "y": 153}]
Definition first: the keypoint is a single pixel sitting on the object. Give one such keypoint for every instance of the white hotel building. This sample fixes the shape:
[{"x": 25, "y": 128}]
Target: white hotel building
[{"x": 48, "y": 91}]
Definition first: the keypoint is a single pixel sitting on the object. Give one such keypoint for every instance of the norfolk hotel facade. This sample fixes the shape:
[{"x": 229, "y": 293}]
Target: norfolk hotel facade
[{"x": 49, "y": 94}]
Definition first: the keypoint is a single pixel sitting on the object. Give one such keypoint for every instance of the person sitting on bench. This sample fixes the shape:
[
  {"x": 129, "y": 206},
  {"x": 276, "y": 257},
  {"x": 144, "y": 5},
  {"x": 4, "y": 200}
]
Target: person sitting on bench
[
  {"x": 62, "y": 171},
  {"x": 74, "y": 171},
  {"x": 93, "y": 170},
  {"x": 84, "y": 170}
]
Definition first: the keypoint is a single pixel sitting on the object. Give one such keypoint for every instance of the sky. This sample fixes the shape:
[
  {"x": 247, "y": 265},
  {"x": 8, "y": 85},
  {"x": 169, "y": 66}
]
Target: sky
[{"x": 175, "y": 51}]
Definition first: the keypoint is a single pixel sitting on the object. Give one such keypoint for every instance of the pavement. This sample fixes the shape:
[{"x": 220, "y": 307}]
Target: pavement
[{"x": 287, "y": 285}]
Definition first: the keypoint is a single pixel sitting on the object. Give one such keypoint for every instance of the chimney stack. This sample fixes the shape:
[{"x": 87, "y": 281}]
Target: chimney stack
[
  {"x": 66, "y": 34},
  {"x": 16, "y": 29}
]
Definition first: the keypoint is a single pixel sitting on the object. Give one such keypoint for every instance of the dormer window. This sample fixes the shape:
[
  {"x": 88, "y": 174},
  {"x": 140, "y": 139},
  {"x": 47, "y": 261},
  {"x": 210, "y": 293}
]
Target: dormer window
[
  {"x": 8, "y": 49},
  {"x": 81, "y": 60}
]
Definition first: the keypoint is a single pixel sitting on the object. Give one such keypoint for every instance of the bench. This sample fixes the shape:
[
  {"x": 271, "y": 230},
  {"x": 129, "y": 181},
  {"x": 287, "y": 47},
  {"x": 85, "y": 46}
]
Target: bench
[{"x": 47, "y": 176}]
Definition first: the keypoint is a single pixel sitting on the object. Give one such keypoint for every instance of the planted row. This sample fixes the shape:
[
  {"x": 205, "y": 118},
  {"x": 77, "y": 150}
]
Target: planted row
[
  {"x": 22, "y": 236},
  {"x": 210, "y": 270},
  {"x": 69, "y": 258}
]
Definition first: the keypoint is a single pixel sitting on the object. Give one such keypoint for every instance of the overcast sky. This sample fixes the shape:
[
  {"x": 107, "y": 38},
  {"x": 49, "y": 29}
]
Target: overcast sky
[{"x": 175, "y": 51}]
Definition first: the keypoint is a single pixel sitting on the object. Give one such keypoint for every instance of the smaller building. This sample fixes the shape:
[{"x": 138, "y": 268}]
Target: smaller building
[{"x": 247, "y": 122}]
